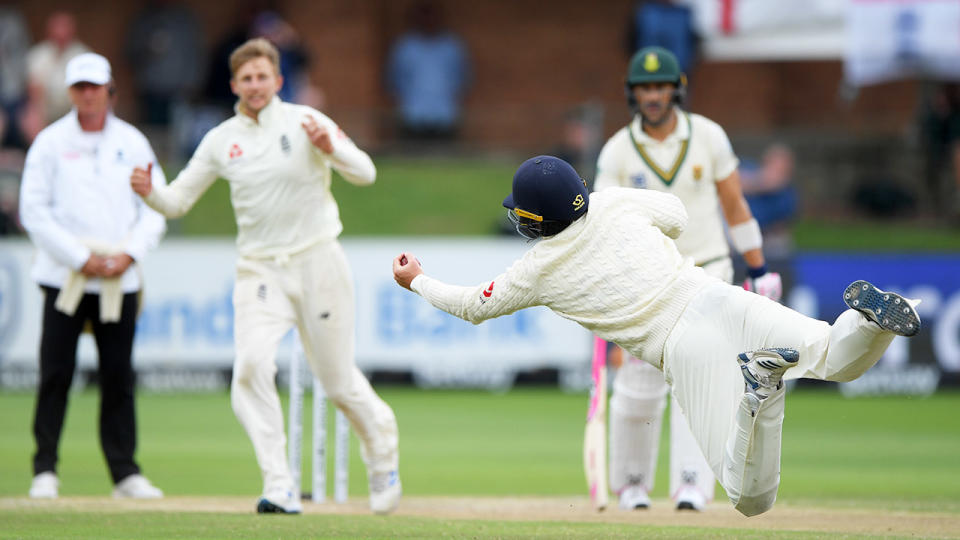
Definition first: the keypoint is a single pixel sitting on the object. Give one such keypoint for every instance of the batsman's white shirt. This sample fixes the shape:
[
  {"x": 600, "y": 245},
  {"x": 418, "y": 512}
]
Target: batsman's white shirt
[
  {"x": 279, "y": 181},
  {"x": 688, "y": 163},
  {"x": 615, "y": 271}
]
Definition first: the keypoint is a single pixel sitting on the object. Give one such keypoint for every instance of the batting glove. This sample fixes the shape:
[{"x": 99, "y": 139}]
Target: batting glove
[{"x": 764, "y": 283}]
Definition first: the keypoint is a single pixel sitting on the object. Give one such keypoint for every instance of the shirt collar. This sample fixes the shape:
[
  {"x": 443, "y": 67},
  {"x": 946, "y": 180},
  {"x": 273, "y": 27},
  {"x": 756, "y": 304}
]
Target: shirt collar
[
  {"x": 680, "y": 132},
  {"x": 264, "y": 117},
  {"x": 75, "y": 121}
]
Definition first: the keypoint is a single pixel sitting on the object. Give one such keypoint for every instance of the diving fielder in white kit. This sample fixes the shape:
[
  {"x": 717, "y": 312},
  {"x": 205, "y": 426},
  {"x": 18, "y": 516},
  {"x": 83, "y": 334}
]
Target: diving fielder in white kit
[
  {"x": 608, "y": 261},
  {"x": 667, "y": 149},
  {"x": 291, "y": 269}
]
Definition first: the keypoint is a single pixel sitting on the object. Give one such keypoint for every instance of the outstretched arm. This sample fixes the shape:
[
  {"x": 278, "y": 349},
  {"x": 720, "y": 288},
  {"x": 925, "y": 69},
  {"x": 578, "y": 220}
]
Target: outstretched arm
[{"x": 507, "y": 293}]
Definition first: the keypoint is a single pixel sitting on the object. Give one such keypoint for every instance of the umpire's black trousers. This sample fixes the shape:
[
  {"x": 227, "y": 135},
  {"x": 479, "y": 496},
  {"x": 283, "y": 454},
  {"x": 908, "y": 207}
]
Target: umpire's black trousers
[{"x": 58, "y": 360}]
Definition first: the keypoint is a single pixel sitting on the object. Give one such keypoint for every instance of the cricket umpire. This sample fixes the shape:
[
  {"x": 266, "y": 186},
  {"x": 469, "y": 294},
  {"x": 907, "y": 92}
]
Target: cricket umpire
[{"x": 90, "y": 231}]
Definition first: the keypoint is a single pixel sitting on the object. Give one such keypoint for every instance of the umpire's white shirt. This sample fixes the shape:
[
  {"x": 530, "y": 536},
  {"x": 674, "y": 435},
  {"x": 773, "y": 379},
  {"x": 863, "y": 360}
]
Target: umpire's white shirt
[
  {"x": 279, "y": 181},
  {"x": 688, "y": 163},
  {"x": 615, "y": 271},
  {"x": 76, "y": 190}
]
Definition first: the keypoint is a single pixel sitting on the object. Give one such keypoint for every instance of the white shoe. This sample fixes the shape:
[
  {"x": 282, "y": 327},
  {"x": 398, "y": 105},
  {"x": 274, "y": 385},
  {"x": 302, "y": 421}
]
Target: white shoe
[
  {"x": 282, "y": 501},
  {"x": 634, "y": 497},
  {"x": 763, "y": 369},
  {"x": 385, "y": 491},
  {"x": 136, "y": 486},
  {"x": 45, "y": 486},
  {"x": 690, "y": 498}
]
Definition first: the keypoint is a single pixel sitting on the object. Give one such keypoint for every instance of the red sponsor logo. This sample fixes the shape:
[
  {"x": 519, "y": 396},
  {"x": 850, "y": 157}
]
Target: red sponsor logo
[
  {"x": 489, "y": 291},
  {"x": 71, "y": 154},
  {"x": 235, "y": 151}
]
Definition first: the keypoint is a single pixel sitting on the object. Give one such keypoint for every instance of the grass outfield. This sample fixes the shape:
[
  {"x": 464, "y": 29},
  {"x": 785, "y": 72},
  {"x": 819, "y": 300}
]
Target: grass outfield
[
  {"x": 880, "y": 455},
  {"x": 444, "y": 197}
]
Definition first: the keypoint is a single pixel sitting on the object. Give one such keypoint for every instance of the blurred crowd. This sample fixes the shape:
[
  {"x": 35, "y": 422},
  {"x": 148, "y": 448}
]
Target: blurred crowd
[{"x": 181, "y": 88}]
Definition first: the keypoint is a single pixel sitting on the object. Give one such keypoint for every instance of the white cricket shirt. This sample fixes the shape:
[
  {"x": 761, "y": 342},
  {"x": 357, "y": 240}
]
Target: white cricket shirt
[
  {"x": 616, "y": 271},
  {"x": 688, "y": 163},
  {"x": 76, "y": 188},
  {"x": 279, "y": 181}
]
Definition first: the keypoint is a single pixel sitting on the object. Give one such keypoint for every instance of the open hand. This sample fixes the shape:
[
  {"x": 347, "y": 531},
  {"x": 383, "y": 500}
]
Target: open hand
[{"x": 318, "y": 135}]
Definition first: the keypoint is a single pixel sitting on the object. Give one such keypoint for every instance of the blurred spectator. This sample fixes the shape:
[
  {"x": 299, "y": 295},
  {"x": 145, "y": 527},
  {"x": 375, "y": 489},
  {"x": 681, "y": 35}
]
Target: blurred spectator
[
  {"x": 46, "y": 62},
  {"x": 9, "y": 202},
  {"x": 940, "y": 133},
  {"x": 428, "y": 73},
  {"x": 665, "y": 24},
  {"x": 772, "y": 197},
  {"x": 164, "y": 47},
  {"x": 14, "y": 44},
  {"x": 217, "y": 89},
  {"x": 294, "y": 63}
]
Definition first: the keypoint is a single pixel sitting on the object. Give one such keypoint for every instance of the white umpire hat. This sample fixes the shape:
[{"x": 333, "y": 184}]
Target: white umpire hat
[{"x": 88, "y": 67}]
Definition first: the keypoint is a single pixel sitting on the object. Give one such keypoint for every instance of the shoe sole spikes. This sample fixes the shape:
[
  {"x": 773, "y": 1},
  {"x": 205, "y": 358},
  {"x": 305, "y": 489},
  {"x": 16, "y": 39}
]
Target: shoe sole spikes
[{"x": 889, "y": 310}]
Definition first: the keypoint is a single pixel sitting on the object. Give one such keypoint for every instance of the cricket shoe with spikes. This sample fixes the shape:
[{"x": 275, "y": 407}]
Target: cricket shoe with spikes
[
  {"x": 763, "y": 369},
  {"x": 888, "y": 310}
]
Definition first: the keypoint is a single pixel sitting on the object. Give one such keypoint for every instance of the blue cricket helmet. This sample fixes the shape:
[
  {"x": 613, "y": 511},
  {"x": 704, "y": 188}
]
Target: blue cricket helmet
[{"x": 547, "y": 196}]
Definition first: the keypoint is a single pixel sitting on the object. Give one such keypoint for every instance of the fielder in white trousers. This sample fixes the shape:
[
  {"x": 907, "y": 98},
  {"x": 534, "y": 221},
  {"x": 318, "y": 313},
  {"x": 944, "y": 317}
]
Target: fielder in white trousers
[
  {"x": 636, "y": 411},
  {"x": 314, "y": 291},
  {"x": 718, "y": 324},
  {"x": 615, "y": 271}
]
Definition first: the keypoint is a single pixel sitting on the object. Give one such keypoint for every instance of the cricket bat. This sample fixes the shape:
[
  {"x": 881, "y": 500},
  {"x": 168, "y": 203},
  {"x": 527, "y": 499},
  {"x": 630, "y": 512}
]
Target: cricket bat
[{"x": 595, "y": 437}]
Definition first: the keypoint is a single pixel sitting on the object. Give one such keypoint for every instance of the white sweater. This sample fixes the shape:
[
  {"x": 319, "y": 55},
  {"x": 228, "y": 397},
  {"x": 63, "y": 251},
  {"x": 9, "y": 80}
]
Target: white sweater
[
  {"x": 279, "y": 181},
  {"x": 616, "y": 271}
]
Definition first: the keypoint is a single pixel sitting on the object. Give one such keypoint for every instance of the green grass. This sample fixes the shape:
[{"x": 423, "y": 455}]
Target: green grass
[
  {"x": 455, "y": 196},
  {"x": 888, "y": 454},
  {"x": 147, "y": 525},
  {"x": 523, "y": 442},
  {"x": 410, "y": 197},
  {"x": 893, "y": 235}
]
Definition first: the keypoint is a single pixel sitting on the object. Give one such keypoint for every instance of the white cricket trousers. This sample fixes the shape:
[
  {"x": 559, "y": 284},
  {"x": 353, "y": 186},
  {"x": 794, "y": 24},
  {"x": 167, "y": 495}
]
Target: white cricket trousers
[
  {"x": 637, "y": 404},
  {"x": 743, "y": 446},
  {"x": 313, "y": 290}
]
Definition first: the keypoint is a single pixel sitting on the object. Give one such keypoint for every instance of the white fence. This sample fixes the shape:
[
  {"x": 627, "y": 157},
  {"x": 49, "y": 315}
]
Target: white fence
[{"x": 187, "y": 317}]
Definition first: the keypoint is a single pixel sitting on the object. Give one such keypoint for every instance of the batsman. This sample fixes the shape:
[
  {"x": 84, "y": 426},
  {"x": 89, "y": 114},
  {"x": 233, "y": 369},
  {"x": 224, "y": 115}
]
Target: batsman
[
  {"x": 609, "y": 261},
  {"x": 668, "y": 149}
]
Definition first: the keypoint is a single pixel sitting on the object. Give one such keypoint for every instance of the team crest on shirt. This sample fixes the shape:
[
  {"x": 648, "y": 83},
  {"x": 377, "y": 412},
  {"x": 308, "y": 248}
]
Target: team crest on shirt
[
  {"x": 235, "y": 151},
  {"x": 697, "y": 172},
  {"x": 639, "y": 180},
  {"x": 285, "y": 144},
  {"x": 487, "y": 293}
]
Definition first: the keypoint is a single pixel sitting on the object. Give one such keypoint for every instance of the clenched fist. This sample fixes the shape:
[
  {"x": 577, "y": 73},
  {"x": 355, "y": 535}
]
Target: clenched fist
[
  {"x": 141, "y": 180},
  {"x": 405, "y": 268}
]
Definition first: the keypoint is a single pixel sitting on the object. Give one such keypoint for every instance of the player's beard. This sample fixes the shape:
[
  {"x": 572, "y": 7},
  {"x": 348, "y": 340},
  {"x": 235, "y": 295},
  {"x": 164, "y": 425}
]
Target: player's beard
[{"x": 663, "y": 119}]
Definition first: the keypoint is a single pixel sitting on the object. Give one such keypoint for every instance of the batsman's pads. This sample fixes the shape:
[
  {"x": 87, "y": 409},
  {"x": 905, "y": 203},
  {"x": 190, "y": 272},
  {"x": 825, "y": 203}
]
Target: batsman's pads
[{"x": 768, "y": 285}]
